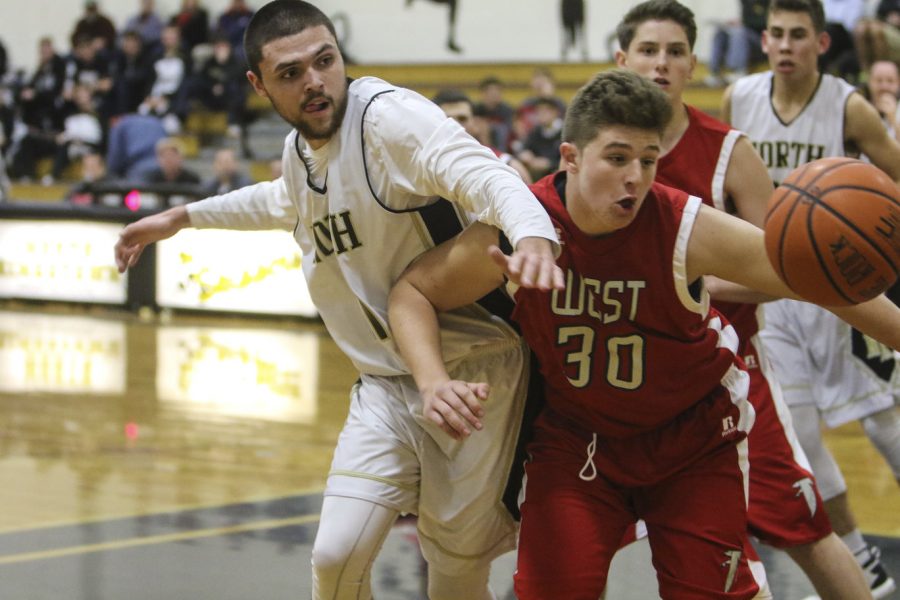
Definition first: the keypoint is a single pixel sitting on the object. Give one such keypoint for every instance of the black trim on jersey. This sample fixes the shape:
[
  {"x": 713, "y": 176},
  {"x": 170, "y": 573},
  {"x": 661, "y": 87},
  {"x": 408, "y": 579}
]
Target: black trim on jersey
[
  {"x": 883, "y": 369},
  {"x": 443, "y": 223},
  {"x": 808, "y": 100},
  {"x": 379, "y": 329},
  {"x": 362, "y": 144},
  {"x": 534, "y": 404},
  {"x": 309, "y": 182}
]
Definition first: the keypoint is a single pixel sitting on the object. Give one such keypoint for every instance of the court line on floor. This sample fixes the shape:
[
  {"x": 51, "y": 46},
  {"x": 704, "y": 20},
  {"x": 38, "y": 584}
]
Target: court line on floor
[
  {"x": 156, "y": 539},
  {"x": 173, "y": 509}
]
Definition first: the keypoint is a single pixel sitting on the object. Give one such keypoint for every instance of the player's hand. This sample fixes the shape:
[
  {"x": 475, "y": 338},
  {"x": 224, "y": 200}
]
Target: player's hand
[
  {"x": 532, "y": 265},
  {"x": 456, "y": 406},
  {"x": 135, "y": 237}
]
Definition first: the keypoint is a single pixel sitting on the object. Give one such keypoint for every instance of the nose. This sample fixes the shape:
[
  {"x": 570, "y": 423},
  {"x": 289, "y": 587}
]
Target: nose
[
  {"x": 632, "y": 175},
  {"x": 662, "y": 60},
  {"x": 314, "y": 82},
  {"x": 784, "y": 44}
]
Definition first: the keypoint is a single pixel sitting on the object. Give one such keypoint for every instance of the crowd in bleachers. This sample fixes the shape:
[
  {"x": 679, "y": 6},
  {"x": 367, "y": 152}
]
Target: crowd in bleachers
[
  {"x": 122, "y": 92},
  {"x": 119, "y": 90}
]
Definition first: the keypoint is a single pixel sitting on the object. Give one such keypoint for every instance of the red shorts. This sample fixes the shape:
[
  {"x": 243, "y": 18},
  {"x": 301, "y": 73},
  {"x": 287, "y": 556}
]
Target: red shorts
[
  {"x": 785, "y": 509},
  {"x": 695, "y": 515}
]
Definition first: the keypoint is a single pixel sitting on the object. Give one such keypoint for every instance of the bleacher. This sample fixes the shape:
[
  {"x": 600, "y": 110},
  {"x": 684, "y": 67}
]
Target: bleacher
[{"x": 205, "y": 131}]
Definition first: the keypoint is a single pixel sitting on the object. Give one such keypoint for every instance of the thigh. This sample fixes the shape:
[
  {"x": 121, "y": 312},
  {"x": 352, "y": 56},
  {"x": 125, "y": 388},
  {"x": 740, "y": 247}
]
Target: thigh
[
  {"x": 570, "y": 528},
  {"x": 376, "y": 458},
  {"x": 785, "y": 507},
  {"x": 783, "y": 340},
  {"x": 463, "y": 523},
  {"x": 697, "y": 528}
]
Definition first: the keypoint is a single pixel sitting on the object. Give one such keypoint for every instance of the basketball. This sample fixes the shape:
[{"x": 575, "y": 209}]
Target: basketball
[{"x": 832, "y": 231}]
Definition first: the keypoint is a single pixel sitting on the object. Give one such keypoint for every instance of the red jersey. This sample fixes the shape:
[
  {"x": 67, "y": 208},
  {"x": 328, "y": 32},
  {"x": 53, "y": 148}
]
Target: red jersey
[
  {"x": 626, "y": 347},
  {"x": 697, "y": 165}
]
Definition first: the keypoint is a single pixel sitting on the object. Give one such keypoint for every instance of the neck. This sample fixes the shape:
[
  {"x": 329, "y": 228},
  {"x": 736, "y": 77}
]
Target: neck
[
  {"x": 676, "y": 127},
  {"x": 584, "y": 219},
  {"x": 795, "y": 91}
]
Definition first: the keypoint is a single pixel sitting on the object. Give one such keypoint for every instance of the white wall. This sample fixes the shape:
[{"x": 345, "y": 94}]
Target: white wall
[{"x": 383, "y": 31}]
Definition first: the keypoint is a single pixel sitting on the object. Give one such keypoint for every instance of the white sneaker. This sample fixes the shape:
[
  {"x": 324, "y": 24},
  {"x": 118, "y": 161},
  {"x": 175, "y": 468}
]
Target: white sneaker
[{"x": 880, "y": 581}]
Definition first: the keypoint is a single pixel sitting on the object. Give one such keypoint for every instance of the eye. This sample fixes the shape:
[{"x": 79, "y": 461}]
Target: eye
[
  {"x": 648, "y": 162},
  {"x": 288, "y": 74},
  {"x": 617, "y": 159},
  {"x": 326, "y": 60}
]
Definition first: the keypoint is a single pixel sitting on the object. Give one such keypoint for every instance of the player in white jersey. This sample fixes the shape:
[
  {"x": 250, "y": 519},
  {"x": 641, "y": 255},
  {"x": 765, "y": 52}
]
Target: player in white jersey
[
  {"x": 364, "y": 174},
  {"x": 794, "y": 114}
]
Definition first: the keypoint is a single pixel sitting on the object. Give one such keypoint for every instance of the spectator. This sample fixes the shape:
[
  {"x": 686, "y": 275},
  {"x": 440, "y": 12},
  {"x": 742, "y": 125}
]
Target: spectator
[
  {"x": 737, "y": 44},
  {"x": 93, "y": 172},
  {"x": 498, "y": 112},
  {"x": 233, "y": 22},
  {"x": 881, "y": 90},
  {"x": 167, "y": 98},
  {"x": 170, "y": 164},
  {"x": 41, "y": 97},
  {"x": 192, "y": 22},
  {"x": 543, "y": 86},
  {"x": 132, "y": 144},
  {"x": 132, "y": 75},
  {"x": 147, "y": 24},
  {"x": 93, "y": 25},
  {"x": 222, "y": 85},
  {"x": 842, "y": 17},
  {"x": 82, "y": 132},
  {"x": 459, "y": 107},
  {"x": 4, "y": 61},
  {"x": 572, "y": 14},
  {"x": 87, "y": 66},
  {"x": 540, "y": 151},
  {"x": 879, "y": 38},
  {"x": 228, "y": 174}
]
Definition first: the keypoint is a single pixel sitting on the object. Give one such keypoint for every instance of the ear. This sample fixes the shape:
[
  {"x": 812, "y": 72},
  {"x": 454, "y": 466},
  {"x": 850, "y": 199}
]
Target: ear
[
  {"x": 568, "y": 157},
  {"x": 824, "y": 42},
  {"x": 764, "y": 41},
  {"x": 621, "y": 59},
  {"x": 257, "y": 84},
  {"x": 690, "y": 74}
]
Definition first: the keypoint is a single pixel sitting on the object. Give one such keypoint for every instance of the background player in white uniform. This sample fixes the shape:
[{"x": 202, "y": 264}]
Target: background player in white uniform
[
  {"x": 792, "y": 115},
  {"x": 364, "y": 172}
]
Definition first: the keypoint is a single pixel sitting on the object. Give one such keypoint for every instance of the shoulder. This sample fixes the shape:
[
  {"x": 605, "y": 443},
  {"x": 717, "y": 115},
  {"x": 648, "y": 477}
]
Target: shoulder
[{"x": 706, "y": 124}]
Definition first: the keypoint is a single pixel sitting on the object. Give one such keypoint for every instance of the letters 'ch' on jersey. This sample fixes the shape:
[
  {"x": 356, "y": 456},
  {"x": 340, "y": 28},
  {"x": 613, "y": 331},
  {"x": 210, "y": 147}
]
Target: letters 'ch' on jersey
[
  {"x": 629, "y": 345},
  {"x": 697, "y": 165},
  {"x": 817, "y": 132}
]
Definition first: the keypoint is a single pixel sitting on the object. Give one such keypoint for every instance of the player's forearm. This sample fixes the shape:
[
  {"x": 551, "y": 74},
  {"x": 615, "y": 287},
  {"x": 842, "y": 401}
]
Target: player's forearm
[
  {"x": 416, "y": 331},
  {"x": 878, "y": 319},
  {"x": 726, "y": 291}
]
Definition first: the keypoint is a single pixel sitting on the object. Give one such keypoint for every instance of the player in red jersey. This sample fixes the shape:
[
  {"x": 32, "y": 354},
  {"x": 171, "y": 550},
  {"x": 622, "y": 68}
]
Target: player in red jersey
[
  {"x": 646, "y": 413},
  {"x": 712, "y": 161}
]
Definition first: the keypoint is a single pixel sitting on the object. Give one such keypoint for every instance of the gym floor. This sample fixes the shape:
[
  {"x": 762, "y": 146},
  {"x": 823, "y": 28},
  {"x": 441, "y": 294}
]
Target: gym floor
[{"x": 183, "y": 457}]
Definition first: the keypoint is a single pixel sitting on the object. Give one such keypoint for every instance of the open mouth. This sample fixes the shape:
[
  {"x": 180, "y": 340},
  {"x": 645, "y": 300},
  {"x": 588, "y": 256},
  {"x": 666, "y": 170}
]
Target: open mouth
[
  {"x": 315, "y": 106},
  {"x": 627, "y": 203},
  {"x": 661, "y": 81}
]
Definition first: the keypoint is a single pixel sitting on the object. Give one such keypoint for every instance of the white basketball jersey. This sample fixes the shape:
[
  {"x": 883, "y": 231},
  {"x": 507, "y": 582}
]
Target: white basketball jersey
[
  {"x": 817, "y": 132},
  {"x": 355, "y": 247}
]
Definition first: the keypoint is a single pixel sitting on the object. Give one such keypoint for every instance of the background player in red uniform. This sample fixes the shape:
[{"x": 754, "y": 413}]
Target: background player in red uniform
[
  {"x": 718, "y": 164},
  {"x": 646, "y": 410}
]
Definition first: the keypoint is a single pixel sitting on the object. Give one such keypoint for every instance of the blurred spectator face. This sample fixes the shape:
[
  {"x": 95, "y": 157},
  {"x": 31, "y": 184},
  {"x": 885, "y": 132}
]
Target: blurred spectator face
[
  {"x": 480, "y": 129},
  {"x": 189, "y": 5},
  {"x": 225, "y": 164},
  {"x": 545, "y": 114},
  {"x": 461, "y": 112},
  {"x": 85, "y": 50},
  {"x": 81, "y": 95},
  {"x": 92, "y": 167},
  {"x": 883, "y": 79},
  {"x": 542, "y": 84},
  {"x": 275, "y": 168},
  {"x": 170, "y": 160},
  {"x": 45, "y": 49},
  {"x": 170, "y": 37},
  {"x": 492, "y": 94},
  {"x": 222, "y": 51},
  {"x": 131, "y": 44},
  {"x": 146, "y": 7}
]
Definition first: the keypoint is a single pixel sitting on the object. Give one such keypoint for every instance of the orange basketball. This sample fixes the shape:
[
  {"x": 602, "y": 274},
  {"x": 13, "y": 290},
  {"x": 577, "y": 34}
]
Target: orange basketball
[{"x": 833, "y": 231}]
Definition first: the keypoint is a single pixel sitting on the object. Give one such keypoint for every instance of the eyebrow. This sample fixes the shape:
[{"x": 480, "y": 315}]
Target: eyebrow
[
  {"x": 326, "y": 47},
  {"x": 624, "y": 146}
]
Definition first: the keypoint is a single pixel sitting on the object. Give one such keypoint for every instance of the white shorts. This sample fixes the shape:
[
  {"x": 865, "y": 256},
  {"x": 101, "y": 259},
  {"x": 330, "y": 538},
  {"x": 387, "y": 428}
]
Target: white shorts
[
  {"x": 389, "y": 455},
  {"x": 820, "y": 360}
]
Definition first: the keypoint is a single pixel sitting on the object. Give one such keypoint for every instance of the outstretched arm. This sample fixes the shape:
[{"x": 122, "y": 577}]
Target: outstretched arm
[
  {"x": 136, "y": 236},
  {"x": 454, "y": 274},
  {"x": 734, "y": 250}
]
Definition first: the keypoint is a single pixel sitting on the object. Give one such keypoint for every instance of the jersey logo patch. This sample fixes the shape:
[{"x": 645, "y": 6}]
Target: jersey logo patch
[
  {"x": 728, "y": 427},
  {"x": 805, "y": 488}
]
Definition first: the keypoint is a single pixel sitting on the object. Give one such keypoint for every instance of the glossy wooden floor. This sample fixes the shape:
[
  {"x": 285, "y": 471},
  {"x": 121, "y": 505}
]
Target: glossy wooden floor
[{"x": 183, "y": 457}]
